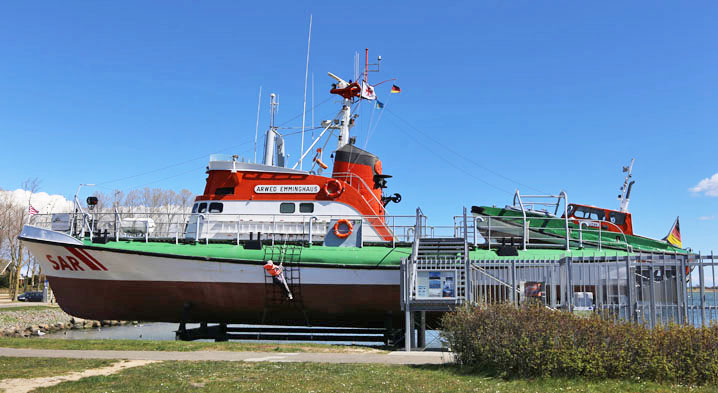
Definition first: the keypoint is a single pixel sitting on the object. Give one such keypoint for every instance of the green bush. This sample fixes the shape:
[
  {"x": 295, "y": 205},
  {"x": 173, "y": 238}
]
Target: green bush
[{"x": 536, "y": 341}]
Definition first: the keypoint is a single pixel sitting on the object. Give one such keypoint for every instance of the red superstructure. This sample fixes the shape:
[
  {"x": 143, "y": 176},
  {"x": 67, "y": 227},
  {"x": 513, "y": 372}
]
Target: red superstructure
[
  {"x": 613, "y": 219},
  {"x": 273, "y": 192}
]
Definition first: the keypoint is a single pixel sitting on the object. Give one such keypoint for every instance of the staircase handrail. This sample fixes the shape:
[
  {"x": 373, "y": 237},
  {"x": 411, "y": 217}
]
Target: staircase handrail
[{"x": 489, "y": 275}]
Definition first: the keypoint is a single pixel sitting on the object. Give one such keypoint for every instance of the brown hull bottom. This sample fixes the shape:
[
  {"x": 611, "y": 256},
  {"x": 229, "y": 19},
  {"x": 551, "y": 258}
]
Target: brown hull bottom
[{"x": 163, "y": 301}]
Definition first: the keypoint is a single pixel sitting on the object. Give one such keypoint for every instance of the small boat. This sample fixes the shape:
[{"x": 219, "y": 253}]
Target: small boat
[{"x": 534, "y": 220}]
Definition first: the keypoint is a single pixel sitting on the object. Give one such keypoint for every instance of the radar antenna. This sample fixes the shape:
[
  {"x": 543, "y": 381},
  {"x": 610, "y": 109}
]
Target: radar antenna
[{"x": 625, "y": 194}]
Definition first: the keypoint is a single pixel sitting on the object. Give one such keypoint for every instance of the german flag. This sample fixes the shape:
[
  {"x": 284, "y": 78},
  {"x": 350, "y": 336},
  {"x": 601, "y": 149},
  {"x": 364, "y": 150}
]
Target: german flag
[
  {"x": 395, "y": 89},
  {"x": 674, "y": 236}
]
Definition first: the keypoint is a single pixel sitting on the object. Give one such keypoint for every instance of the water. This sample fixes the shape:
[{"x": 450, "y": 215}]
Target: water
[{"x": 143, "y": 331}]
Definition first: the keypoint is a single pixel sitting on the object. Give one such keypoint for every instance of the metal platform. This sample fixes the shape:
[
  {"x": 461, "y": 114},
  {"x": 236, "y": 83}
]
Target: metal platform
[{"x": 224, "y": 332}]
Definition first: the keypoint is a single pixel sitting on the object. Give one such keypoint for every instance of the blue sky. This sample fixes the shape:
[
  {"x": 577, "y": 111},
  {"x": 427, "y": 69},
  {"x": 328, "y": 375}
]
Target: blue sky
[{"x": 550, "y": 95}]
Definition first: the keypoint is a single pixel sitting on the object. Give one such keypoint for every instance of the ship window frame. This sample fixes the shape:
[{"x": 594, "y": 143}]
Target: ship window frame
[
  {"x": 224, "y": 191},
  {"x": 304, "y": 205},
  {"x": 202, "y": 208},
  {"x": 597, "y": 215},
  {"x": 195, "y": 207},
  {"x": 215, "y": 205},
  {"x": 284, "y": 205}
]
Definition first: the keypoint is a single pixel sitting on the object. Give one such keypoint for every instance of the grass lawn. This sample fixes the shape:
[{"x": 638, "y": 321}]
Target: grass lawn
[
  {"x": 28, "y": 308},
  {"x": 183, "y": 346},
  {"x": 319, "y": 377},
  {"x": 11, "y": 367}
]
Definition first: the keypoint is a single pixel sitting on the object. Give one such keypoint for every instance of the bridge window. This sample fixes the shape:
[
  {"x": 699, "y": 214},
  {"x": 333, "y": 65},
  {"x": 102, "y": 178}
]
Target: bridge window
[
  {"x": 202, "y": 208},
  {"x": 588, "y": 213},
  {"x": 216, "y": 207},
  {"x": 617, "y": 218},
  {"x": 224, "y": 191},
  {"x": 287, "y": 208},
  {"x": 306, "y": 208},
  {"x": 194, "y": 208}
]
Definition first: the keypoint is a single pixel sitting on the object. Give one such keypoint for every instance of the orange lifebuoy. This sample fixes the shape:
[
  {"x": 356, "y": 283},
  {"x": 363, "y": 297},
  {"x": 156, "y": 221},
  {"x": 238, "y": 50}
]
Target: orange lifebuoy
[
  {"x": 336, "y": 185},
  {"x": 343, "y": 235}
]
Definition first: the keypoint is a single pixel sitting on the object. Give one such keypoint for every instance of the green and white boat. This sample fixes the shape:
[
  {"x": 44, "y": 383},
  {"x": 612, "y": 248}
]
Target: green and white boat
[{"x": 549, "y": 220}]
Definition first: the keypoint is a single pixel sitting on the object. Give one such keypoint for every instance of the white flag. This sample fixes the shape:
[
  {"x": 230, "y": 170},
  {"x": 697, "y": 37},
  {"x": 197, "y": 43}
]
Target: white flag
[{"x": 367, "y": 91}]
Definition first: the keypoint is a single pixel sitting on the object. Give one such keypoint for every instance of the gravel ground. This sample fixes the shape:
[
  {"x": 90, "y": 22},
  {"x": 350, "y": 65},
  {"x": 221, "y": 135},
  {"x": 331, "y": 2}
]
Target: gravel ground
[{"x": 25, "y": 318}]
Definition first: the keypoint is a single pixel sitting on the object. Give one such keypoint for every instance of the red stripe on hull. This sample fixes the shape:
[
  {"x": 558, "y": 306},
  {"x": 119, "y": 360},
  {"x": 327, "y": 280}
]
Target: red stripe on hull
[
  {"x": 82, "y": 257},
  {"x": 164, "y": 301},
  {"x": 95, "y": 261}
]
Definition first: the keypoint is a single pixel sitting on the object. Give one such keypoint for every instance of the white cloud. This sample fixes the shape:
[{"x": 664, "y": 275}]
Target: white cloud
[
  {"x": 708, "y": 186},
  {"x": 42, "y": 201},
  {"x": 706, "y": 218}
]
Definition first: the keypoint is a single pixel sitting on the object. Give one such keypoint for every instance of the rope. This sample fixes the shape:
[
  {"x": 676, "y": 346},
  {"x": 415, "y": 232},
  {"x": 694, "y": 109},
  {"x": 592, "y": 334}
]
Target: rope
[
  {"x": 464, "y": 157},
  {"x": 451, "y": 163},
  {"x": 171, "y": 165}
]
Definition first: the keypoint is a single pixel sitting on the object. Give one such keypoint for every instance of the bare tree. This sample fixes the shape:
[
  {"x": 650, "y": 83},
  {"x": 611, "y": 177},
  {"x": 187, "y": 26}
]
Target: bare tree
[
  {"x": 104, "y": 201},
  {"x": 14, "y": 216}
]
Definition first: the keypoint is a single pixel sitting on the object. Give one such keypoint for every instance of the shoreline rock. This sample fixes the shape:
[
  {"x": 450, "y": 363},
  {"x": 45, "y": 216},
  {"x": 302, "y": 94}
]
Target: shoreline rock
[{"x": 34, "y": 323}]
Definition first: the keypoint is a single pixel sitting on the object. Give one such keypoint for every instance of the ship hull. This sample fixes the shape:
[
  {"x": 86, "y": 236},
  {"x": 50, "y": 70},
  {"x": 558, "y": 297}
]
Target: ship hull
[
  {"x": 178, "y": 301},
  {"x": 96, "y": 283}
]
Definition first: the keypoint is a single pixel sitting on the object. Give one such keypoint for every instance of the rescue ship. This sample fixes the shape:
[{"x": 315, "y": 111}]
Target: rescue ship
[
  {"x": 340, "y": 250},
  {"x": 331, "y": 232}
]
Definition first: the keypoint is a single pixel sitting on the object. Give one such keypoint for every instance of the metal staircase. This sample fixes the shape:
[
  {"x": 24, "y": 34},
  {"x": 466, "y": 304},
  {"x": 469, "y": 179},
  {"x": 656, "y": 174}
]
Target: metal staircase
[
  {"x": 444, "y": 253},
  {"x": 441, "y": 247}
]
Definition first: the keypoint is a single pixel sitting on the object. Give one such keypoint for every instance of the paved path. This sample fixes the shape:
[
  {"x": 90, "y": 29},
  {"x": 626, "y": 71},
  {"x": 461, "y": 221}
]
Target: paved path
[{"x": 316, "y": 357}]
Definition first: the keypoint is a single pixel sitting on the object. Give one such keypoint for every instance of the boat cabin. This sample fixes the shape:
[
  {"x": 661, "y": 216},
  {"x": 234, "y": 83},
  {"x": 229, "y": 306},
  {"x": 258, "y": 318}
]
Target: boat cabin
[
  {"x": 613, "y": 220},
  {"x": 241, "y": 199}
]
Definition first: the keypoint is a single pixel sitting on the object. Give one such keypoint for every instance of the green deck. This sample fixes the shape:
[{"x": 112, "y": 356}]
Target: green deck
[{"x": 342, "y": 256}]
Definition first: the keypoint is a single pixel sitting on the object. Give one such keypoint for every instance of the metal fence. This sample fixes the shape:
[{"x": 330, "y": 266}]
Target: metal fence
[{"x": 651, "y": 289}]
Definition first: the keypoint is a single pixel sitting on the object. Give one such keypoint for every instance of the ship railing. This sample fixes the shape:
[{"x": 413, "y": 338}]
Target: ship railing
[
  {"x": 545, "y": 232},
  {"x": 529, "y": 202},
  {"x": 241, "y": 226},
  {"x": 357, "y": 182},
  {"x": 596, "y": 226},
  {"x": 541, "y": 202},
  {"x": 154, "y": 224}
]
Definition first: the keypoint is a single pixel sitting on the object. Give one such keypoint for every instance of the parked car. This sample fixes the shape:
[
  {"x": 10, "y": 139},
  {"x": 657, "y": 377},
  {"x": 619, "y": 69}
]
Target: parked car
[{"x": 30, "y": 297}]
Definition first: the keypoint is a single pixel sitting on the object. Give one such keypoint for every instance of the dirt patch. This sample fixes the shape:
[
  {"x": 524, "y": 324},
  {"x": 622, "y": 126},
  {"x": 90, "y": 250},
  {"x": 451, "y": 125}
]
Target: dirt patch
[{"x": 20, "y": 385}]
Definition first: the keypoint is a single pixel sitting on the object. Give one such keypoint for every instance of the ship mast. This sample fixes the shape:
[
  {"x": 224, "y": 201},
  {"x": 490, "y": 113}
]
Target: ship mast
[
  {"x": 274, "y": 153},
  {"x": 626, "y": 188}
]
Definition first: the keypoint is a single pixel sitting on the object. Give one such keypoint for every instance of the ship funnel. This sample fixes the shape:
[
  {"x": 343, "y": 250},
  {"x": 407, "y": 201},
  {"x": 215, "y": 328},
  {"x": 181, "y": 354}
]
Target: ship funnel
[
  {"x": 269, "y": 146},
  {"x": 273, "y": 142},
  {"x": 274, "y": 153}
]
